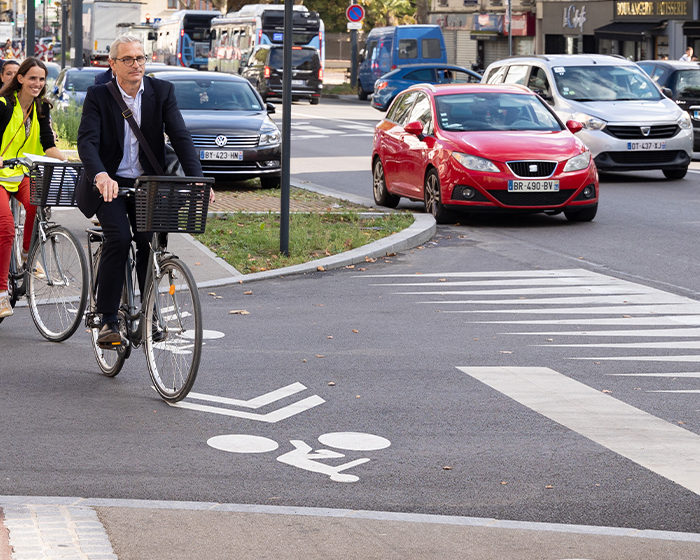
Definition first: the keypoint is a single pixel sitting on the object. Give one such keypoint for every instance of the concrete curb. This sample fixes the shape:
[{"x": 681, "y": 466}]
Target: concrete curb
[{"x": 421, "y": 231}]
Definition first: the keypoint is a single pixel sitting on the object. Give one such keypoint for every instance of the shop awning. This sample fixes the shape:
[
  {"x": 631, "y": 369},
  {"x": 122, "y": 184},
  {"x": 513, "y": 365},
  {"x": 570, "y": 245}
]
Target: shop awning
[
  {"x": 628, "y": 31},
  {"x": 691, "y": 28}
]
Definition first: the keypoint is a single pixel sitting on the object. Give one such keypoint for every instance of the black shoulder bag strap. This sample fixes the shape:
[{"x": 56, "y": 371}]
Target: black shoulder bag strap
[{"x": 129, "y": 116}]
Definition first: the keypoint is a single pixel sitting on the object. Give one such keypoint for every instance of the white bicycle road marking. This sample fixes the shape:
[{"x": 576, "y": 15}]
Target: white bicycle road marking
[
  {"x": 303, "y": 456},
  {"x": 655, "y": 444}
]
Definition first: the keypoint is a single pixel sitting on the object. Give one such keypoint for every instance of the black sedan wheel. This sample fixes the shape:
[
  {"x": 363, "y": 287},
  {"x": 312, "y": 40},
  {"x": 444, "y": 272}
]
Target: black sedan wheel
[
  {"x": 361, "y": 93},
  {"x": 381, "y": 195},
  {"x": 270, "y": 181},
  {"x": 431, "y": 197}
]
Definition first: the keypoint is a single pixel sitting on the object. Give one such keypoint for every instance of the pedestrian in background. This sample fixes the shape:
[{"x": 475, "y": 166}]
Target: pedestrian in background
[{"x": 688, "y": 56}]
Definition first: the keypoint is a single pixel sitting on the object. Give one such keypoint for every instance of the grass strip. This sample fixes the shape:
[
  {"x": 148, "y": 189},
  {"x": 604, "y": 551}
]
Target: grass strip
[{"x": 251, "y": 242}]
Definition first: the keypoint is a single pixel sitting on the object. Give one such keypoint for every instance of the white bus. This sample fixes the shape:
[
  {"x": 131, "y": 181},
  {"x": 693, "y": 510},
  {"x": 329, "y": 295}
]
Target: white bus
[
  {"x": 234, "y": 35},
  {"x": 183, "y": 38}
]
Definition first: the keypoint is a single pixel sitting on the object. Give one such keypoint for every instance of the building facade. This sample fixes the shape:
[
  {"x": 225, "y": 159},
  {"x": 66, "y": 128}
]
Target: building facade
[{"x": 478, "y": 32}]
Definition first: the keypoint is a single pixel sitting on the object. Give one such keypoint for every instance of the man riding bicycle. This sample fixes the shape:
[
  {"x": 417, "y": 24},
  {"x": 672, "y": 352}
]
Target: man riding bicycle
[{"x": 113, "y": 158}]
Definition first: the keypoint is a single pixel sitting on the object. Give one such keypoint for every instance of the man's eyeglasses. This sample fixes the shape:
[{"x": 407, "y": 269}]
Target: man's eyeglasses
[{"x": 130, "y": 60}]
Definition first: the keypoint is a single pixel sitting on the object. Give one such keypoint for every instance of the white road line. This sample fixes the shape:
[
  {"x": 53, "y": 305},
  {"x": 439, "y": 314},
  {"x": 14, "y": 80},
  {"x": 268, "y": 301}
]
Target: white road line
[
  {"x": 655, "y": 444},
  {"x": 695, "y": 391},
  {"x": 552, "y": 290},
  {"x": 674, "y": 374},
  {"x": 669, "y": 320},
  {"x": 667, "y": 344},
  {"x": 515, "y": 282},
  {"x": 570, "y": 272},
  {"x": 681, "y": 358},
  {"x": 603, "y": 310},
  {"x": 634, "y": 333}
]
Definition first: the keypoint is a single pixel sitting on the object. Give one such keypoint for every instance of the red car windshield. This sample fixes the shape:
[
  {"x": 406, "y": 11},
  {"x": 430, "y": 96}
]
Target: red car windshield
[{"x": 461, "y": 112}]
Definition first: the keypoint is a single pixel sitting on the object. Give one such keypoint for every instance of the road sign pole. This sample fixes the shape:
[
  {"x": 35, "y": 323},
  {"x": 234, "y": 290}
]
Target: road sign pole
[
  {"x": 354, "y": 14},
  {"x": 286, "y": 127},
  {"x": 353, "y": 54}
]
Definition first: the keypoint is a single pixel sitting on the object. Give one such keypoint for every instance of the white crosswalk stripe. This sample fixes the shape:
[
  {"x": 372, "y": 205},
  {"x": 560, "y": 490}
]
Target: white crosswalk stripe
[{"x": 662, "y": 326}]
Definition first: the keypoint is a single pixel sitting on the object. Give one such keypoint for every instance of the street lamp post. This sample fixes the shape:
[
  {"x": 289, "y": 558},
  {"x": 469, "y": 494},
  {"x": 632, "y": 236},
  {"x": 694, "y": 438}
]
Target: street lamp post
[{"x": 510, "y": 37}]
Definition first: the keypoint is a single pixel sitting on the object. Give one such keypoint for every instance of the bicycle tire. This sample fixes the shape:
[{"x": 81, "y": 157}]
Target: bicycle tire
[
  {"x": 172, "y": 303},
  {"x": 57, "y": 298},
  {"x": 110, "y": 361}
]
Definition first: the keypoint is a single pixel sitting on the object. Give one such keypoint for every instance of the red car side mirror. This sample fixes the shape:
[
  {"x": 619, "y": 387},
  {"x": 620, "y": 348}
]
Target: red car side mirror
[
  {"x": 415, "y": 128},
  {"x": 574, "y": 126}
]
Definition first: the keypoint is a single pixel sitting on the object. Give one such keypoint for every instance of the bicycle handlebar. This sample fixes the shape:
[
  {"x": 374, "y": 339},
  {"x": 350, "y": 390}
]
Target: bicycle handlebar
[{"x": 14, "y": 162}]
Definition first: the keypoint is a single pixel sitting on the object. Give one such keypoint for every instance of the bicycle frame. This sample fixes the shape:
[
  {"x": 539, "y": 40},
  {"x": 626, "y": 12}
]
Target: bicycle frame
[{"x": 133, "y": 314}]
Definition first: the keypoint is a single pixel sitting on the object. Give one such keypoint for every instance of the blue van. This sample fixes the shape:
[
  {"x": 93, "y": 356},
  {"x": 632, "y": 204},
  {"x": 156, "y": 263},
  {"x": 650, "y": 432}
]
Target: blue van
[{"x": 387, "y": 48}]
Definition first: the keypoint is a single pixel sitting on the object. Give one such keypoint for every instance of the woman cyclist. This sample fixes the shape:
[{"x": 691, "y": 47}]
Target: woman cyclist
[{"x": 25, "y": 128}]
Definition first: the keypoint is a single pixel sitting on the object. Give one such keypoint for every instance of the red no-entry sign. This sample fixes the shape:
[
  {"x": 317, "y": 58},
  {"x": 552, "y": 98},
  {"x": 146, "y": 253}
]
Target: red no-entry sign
[{"x": 355, "y": 13}]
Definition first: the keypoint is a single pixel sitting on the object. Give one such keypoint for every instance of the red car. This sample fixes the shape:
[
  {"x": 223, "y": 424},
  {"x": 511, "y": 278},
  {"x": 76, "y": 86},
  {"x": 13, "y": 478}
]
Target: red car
[{"x": 479, "y": 147}]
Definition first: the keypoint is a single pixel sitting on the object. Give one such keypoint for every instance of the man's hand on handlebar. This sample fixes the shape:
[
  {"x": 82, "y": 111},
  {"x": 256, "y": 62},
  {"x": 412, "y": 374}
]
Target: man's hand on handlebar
[{"x": 108, "y": 187}]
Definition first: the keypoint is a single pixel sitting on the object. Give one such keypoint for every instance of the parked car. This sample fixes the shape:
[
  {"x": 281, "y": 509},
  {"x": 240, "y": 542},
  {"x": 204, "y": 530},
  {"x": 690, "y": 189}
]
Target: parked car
[
  {"x": 481, "y": 148},
  {"x": 264, "y": 71},
  {"x": 53, "y": 69},
  {"x": 628, "y": 124},
  {"x": 387, "y": 48},
  {"x": 229, "y": 124},
  {"x": 683, "y": 82},
  {"x": 391, "y": 84},
  {"x": 156, "y": 67},
  {"x": 72, "y": 84}
]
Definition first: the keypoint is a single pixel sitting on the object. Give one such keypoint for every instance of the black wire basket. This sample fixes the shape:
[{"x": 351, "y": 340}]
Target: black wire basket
[
  {"x": 172, "y": 204},
  {"x": 53, "y": 184}
]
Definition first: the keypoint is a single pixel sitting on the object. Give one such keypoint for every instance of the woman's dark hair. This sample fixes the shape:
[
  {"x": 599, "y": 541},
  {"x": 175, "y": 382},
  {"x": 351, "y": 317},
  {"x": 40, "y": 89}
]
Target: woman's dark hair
[{"x": 8, "y": 90}]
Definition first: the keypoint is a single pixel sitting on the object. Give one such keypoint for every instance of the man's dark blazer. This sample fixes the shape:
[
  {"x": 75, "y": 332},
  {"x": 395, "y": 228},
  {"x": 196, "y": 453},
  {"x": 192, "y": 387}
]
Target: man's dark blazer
[
  {"x": 103, "y": 77},
  {"x": 101, "y": 136}
]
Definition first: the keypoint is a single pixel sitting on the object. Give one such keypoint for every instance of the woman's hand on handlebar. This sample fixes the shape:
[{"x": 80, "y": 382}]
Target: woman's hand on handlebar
[{"x": 108, "y": 187}]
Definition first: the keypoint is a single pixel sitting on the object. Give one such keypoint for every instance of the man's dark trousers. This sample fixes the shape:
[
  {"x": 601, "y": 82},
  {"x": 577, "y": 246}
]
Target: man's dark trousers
[{"x": 117, "y": 228}]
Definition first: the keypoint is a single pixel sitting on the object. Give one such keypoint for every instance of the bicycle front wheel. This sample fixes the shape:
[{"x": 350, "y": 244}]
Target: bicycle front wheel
[
  {"x": 172, "y": 330},
  {"x": 57, "y": 284}
]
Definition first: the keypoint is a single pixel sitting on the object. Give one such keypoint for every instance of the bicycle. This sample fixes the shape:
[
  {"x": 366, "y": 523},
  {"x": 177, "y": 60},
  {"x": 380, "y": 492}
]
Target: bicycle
[
  {"x": 169, "y": 320},
  {"x": 54, "y": 277}
]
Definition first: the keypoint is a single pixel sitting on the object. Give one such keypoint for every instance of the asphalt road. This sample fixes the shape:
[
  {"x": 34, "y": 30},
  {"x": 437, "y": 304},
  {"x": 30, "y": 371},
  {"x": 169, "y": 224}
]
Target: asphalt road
[{"x": 517, "y": 368}]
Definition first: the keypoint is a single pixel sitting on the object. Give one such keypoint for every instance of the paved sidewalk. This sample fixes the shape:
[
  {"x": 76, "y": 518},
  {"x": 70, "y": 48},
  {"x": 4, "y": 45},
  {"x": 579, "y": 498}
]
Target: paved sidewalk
[{"x": 54, "y": 528}]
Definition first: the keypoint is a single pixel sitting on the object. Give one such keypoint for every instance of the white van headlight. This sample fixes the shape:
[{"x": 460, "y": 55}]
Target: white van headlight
[
  {"x": 475, "y": 163},
  {"x": 684, "y": 121},
  {"x": 590, "y": 122},
  {"x": 578, "y": 162}
]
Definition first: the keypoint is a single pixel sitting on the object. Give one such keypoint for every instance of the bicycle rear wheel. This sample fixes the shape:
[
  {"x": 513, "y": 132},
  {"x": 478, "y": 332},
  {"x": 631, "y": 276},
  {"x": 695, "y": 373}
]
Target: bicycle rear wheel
[
  {"x": 172, "y": 330},
  {"x": 57, "y": 284}
]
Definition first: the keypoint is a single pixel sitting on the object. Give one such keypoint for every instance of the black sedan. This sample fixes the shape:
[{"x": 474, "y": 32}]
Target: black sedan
[
  {"x": 682, "y": 80},
  {"x": 229, "y": 124}
]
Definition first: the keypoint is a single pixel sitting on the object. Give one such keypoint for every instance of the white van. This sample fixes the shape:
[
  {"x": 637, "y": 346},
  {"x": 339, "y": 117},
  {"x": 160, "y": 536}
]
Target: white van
[{"x": 629, "y": 124}]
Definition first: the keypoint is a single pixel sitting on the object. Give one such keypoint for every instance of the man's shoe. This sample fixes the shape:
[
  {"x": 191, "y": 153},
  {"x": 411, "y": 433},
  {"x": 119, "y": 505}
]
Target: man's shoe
[
  {"x": 109, "y": 336},
  {"x": 5, "y": 307},
  {"x": 157, "y": 334}
]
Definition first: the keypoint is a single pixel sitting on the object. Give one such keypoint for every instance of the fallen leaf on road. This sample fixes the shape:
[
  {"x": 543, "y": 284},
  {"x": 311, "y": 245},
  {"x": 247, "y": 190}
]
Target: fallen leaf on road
[
  {"x": 320, "y": 268},
  {"x": 350, "y": 266},
  {"x": 238, "y": 312},
  {"x": 370, "y": 259},
  {"x": 211, "y": 294},
  {"x": 607, "y": 391},
  {"x": 329, "y": 337},
  {"x": 331, "y": 383},
  {"x": 355, "y": 331},
  {"x": 506, "y": 352},
  {"x": 198, "y": 264},
  {"x": 504, "y": 482},
  {"x": 549, "y": 487},
  {"x": 446, "y": 468},
  {"x": 320, "y": 356},
  {"x": 248, "y": 293}
]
